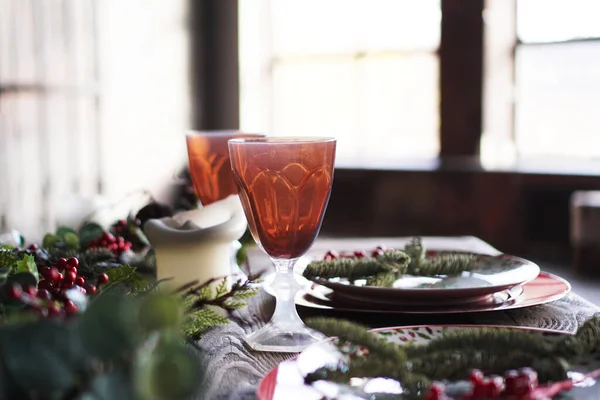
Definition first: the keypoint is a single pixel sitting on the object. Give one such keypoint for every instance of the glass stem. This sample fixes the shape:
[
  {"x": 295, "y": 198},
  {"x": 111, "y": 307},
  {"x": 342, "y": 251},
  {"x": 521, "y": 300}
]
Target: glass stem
[{"x": 285, "y": 288}]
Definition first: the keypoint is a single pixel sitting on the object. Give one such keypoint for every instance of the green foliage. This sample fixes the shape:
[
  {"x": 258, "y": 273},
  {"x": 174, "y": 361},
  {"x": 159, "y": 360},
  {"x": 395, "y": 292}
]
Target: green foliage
[
  {"x": 8, "y": 258},
  {"x": 386, "y": 268},
  {"x": 89, "y": 232},
  {"x": 27, "y": 264},
  {"x": 201, "y": 320},
  {"x": 203, "y": 300},
  {"x": 452, "y": 355},
  {"x": 128, "y": 342},
  {"x": 355, "y": 268},
  {"x": 112, "y": 351}
]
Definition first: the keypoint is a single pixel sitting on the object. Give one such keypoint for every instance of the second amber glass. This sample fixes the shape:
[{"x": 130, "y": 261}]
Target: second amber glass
[{"x": 208, "y": 157}]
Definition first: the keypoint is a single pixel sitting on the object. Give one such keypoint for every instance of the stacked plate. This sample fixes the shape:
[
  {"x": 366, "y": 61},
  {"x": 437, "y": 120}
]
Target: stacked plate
[{"x": 498, "y": 282}]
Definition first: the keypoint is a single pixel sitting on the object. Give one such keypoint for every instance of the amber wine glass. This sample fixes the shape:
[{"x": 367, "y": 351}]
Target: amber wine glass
[
  {"x": 208, "y": 157},
  {"x": 284, "y": 186}
]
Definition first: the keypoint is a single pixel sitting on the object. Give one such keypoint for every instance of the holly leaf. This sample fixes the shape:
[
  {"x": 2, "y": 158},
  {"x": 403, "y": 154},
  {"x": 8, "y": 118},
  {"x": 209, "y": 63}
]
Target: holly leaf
[{"x": 27, "y": 264}]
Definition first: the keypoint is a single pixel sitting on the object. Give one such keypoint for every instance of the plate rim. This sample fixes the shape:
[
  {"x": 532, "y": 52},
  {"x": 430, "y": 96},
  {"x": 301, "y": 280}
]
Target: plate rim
[{"x": 517, "y": 305}]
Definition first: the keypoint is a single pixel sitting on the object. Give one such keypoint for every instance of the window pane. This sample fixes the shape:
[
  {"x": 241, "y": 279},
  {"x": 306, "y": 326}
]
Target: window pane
[
  {"x": 557, "y": 20},
  {"x": 399, "y": 25},
  {"x": 398, "y": 107},
  {"x": 380, "y": 107},
  {"x": 343, "y": 26},
  {"x": 558, "y": 89},
  {"x": 316, "y": 99}
]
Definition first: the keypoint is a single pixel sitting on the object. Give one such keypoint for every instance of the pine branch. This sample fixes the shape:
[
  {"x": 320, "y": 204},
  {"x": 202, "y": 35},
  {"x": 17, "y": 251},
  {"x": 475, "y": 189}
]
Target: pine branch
[
  {"x": 444, "y": 264},
  {"x": 357, "y": 334},
  {"x": 200, "y": 298},
  {"x": 354, "y": 268}
]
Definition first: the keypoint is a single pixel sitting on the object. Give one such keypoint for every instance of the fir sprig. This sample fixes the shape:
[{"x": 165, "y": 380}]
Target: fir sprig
[
  {"x": 452, "y": 355},
  {"x": 203, "y": 300},
  {"x": 354, "y": 268},
  {"x": 386, "y": 268}
]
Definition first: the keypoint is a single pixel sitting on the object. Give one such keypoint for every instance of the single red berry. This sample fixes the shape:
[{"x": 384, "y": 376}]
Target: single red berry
[
  {"x": 59, "y": 278},
  {"x": 494, "y": 386},
  {"x": 360, "y": 254},
  {"x": 102, "y": 279},
  {"x": 530, "y": 376},
  {"x": 123, "y": 222},
  {"x": 70, "y": 307},
  {"x": 33, "y": 247},
  {"x": 62, "y": 263},
  {"x": 53, "y": 310},
  {"x": 72, "y": 269},
  {"x": 15, "y": 291},
  {"x": 32, "y": 291},
  {"x": 475, "y": 375},
  {"x": 118, "y": 229},
  {"x": 70, "y": 276},
  {"x": 437, "y": 391},
  {"x": 377, "y": 252},
  {"x": 43, "y": 294},
  {"x": 510, "y": 383},
  {"x": 90, "y": 289},
  {"x": 67, "y": 285},
  {"x": 108, "y": 237},
  {"x": 80, "y": 281},
  {"x": 55, "y": 275},
  {"x": 73, "y": 262},
  {"x": 331, "y": 255}
]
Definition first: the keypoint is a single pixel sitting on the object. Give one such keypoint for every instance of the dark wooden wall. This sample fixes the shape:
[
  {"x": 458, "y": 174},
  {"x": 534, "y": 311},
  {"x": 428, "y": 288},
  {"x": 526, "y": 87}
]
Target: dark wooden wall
[{"x": 516, "y": 212}]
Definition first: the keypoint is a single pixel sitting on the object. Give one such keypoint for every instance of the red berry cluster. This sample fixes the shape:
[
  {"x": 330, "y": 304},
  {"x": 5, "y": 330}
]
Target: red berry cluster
[
  {"x": 334, "y": 255},
  {"x": 49, "y": 299},
  {"x": 117, "y": 244},
  {"x": 122, "y": 226},
  {"x": 515, "y": 385}
]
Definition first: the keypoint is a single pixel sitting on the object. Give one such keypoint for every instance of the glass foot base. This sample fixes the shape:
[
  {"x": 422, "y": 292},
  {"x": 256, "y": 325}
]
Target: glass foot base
[{"x": 272, "y": 337}]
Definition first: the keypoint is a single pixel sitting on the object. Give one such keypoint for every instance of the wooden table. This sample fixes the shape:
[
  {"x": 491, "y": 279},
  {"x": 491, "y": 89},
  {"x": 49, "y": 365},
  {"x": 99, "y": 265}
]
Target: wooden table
[{"x": 233, "y": 370}]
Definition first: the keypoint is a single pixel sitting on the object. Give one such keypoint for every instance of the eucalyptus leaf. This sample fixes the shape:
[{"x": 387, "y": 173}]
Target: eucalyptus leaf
[
  {"x": 169, "y": 372},
  {"x": 42, "y": 357},
  {"x": 111, "y": 386},
  {"x": 109, "y": 328},
  {"x": 72, "y": 240},
  {"x": 160, "y": 312},
  {"x": 64, "y": 230},
  {"x": 50, "y": 240}
]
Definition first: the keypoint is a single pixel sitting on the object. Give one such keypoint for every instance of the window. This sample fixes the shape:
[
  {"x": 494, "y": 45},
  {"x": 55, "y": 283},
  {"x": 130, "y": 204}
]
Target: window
[
  {"x": 88, "y": 89},
  {"x": 364, "y": 71},
  {"x": 542, "y": 82},
  {"x": 557, "y": 72}
]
